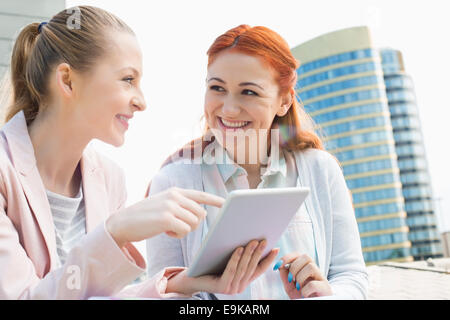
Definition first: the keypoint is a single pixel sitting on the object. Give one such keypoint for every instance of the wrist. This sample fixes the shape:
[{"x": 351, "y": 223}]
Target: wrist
[
  {"x": 180, "y": 283},
  {"x": 114, "y": 229}
]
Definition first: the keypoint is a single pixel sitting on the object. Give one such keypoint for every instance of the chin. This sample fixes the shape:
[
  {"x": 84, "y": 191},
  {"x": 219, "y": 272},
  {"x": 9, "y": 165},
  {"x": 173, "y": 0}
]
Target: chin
[
  {"x": 118, "y": 144},
  {"x": 116, "y": 141}
]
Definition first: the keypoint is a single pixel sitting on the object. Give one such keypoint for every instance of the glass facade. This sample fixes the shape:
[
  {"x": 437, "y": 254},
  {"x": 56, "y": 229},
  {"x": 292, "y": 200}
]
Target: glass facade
[
  {"x": 424, "y": 236},
  {"x": 363, "y": 105},
  {"x": 348, "y": 104}
]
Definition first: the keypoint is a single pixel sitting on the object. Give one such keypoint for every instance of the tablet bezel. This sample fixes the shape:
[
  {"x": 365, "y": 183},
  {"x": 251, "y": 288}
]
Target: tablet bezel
[{"x": 298, "y": 196}]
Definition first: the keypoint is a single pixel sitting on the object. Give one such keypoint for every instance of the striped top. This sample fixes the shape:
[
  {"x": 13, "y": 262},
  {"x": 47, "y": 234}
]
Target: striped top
[{"x": 69, "y": 219}]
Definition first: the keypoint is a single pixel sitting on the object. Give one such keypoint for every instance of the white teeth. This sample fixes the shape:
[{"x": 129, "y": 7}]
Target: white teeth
[
  {"x": 238, "y": 124},
  {"x": 122, "y": 118}
]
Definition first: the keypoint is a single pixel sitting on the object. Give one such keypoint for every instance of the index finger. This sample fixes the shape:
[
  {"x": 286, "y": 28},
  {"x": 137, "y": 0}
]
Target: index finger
[{"x": 203, "y": 197}]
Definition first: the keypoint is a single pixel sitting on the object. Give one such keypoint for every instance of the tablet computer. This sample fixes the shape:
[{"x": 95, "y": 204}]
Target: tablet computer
[{"x": 246, "y": 215}]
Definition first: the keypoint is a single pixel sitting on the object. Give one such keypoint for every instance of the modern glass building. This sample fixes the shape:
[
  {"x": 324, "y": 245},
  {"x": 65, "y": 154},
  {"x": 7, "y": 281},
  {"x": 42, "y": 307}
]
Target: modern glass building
[
  {"x": 341, "y": 84},
  {"x": 416, "y": 185}
]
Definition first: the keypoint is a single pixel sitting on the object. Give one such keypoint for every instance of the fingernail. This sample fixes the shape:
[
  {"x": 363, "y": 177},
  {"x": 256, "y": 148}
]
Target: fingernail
[
  {"x": 262, "y": 246},
  {"x": 277, "y": 265},
  {"x": 290, "y": 276},
  {"x": 298, "y": 286}
]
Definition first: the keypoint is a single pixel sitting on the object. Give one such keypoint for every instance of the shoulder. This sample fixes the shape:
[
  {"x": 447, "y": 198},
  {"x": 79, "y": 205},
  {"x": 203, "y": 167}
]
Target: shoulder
[
  {"x": 180, "y": 173},
  {"x": 6, "y": 162},
  {"x": 97, "y": 159},
  {"x": 110, "y": 166},
  {"x": 113, "y": 174},
  {"x": 317, "y": 158},
  {"x": 4, "y": 153},
  {"x": 186, "y": 162},
  {"x": 319, "y": 167},
  {"x": 7, "y": 170}
]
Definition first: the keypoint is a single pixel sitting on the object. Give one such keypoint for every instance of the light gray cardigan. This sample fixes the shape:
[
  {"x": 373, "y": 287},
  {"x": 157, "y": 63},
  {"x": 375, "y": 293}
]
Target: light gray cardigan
[{"x": 329, "y": 203}]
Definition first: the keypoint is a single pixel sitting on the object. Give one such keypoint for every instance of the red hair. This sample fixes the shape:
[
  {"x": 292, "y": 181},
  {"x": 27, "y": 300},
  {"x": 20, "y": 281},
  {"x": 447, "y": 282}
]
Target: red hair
[{"x": 296, "y": 127}]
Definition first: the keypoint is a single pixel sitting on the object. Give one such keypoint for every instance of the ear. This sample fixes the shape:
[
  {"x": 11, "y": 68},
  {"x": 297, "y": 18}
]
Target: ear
[
  {"x": 286, "y": 102},
  {"x": 64, "y": 79}
]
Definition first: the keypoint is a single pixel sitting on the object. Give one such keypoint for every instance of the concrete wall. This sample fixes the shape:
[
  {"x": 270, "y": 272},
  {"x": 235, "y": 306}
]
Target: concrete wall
[
  {"x": 446, "y": 243},
  {"x": 15, "y": 14}
]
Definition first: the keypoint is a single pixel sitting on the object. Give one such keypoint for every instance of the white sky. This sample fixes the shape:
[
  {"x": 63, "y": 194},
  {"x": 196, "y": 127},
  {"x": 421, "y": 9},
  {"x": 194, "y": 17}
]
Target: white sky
[{"x": 175, "y": 35}]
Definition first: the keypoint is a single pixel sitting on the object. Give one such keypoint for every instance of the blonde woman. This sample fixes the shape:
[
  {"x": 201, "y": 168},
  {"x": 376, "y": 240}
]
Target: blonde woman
[{"x": 65, "y": 232}]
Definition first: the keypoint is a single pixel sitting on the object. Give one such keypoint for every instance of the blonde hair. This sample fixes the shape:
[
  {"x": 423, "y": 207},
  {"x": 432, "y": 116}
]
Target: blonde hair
[{"x": 36, "y": 52}]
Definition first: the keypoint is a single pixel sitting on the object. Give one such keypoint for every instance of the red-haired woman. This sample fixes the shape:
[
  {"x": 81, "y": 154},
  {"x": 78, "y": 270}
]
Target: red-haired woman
[{"x": 250, "y": 96}]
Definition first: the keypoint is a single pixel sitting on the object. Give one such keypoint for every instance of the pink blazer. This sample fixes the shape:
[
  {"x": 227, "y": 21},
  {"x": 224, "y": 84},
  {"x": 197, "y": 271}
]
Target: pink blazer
[{"x": 28, "y": 256}]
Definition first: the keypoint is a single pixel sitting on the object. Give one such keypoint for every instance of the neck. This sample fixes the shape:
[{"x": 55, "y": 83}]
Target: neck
[
  {"x": 252, "y": 169},
  {"x": 58, "y": 146},
  {"x": 254, "y": 159}
]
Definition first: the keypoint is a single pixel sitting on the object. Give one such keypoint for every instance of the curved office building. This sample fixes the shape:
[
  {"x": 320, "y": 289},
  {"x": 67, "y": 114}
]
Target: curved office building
[
  {"x": 411, "y": 158},
  {"x": 341, "y": 84}
]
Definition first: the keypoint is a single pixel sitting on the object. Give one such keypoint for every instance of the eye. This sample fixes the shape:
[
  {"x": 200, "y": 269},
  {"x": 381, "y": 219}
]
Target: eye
[
  {"x": 248, "y": 92},
  {"x": 128, "y": 79},
  {"x": 217, "y": 88}
]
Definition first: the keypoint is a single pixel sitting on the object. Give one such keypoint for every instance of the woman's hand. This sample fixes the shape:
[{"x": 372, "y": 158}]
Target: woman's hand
[
  {"x": 243, "y": 267},
  {"x": 174, "y": 211},
  {"x": 303, "y": 279}
]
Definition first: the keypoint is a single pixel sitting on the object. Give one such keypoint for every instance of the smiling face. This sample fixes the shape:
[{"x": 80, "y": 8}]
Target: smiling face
[
  {"x": 106, "y": 97},
  {"x": 242, "y": 94}
]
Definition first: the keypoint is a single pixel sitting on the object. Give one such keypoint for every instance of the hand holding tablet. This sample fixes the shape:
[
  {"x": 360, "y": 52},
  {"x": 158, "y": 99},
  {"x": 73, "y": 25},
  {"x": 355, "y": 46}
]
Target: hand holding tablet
[
  {"x": 255, "y": 214},
  {"x": 239, "y": 246}
]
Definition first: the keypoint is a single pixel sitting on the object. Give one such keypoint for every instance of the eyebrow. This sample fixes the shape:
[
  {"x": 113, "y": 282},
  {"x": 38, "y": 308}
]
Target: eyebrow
[
  {"x": 134, "y": 70},
  {"x": 242, "y": 84}
]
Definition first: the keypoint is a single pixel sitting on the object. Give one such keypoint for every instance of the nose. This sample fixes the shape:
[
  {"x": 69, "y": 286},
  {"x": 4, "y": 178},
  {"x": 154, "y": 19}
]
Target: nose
[
  {"x": 230, "y": 108},
  {"x": 139, "y": 103}
]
